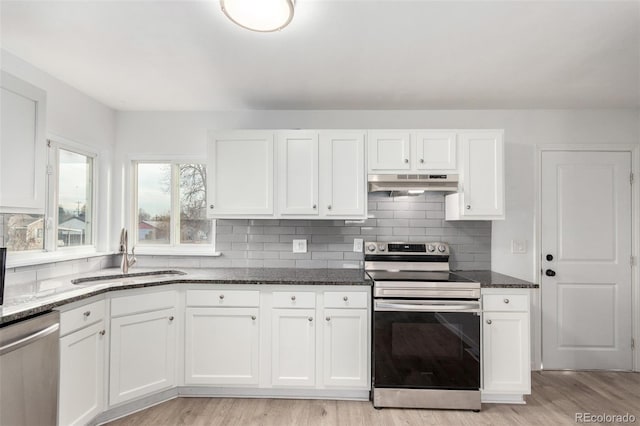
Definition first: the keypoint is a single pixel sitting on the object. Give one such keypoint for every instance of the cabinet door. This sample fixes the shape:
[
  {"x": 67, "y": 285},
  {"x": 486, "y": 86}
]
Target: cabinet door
[
  {"x": 389, "y": 150},
  {"x": 81, "y": 375},
  {"x": 293, "y": 347},
  {"x": 143, "y": 354},
  {"x": 240, "y": 174},
  {"x": 506, "y": 356},
  {"x": 436, "y": 150},
  {"x": 23, "y": 148},
  {"x": 345, "y": 348},
  {"x": 222, "y": 346},
  {"x": 342, "y": 172},
  {"x": 298, "y": 173},
  {"x": 483, "y": 174}
]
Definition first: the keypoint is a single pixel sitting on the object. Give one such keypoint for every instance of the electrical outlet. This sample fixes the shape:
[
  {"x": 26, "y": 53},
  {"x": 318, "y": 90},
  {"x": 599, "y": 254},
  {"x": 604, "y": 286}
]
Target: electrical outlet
[
  {"x": 299, "y": 246},
  {"x": 357, "y": 245},
  {"x": 519, "y": 246}
]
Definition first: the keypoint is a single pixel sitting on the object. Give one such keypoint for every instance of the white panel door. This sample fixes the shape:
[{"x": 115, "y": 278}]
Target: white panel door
[
  {"x": 143, "y": 354},
  {"x": 343, "y": 179},
  {"x": 506, "y": 352},
  {"x": 345, "y": 348},
  {"x": 298, "y": 173},
  {"x": 389, "y": 150},
  {"x": 81, "y": 375},
  {"x": 222, "y": 346},
  {"x": 436, "y": 150},
  {"x": 22, "y": 146},
  {"x": 482, "y": 173},
  {"x": 586, "y": 242},
  {"x": 293, "y": 347},
  {"x": 240, "y": 174}
]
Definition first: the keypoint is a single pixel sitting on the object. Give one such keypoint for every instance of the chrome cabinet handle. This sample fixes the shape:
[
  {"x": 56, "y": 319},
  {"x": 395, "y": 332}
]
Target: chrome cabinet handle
[
  {"x": 506, "y": 300},
  {"x": 87, "y": 313},
  {"x": 315, "y": 206},
  {"x": 328, "y": 318},
  {"x": 211, "y": 206},
  {"x": 406, "y": 160},
  {"x": 221, "y": 296},
  {"x": 310, "y": 319},
  {"x": 102, "y": 333},
  {"x": 488, "y": 321},
  {"x": 329, "y": 207},
  {"x": 253, "y": 317},
  {"x": 293, "y": 298},
  {"x": 422, "y": 160},
  {"x": 171, "y": 318},
  {"x": 345, "y": 298},
  {"x": 468, "y": 207}
]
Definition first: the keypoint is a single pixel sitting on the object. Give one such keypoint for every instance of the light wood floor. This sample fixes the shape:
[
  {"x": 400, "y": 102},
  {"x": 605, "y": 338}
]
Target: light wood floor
[{"x": 555, "y": 399}]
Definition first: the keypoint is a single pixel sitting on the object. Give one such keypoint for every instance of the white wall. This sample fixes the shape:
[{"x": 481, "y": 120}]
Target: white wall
[
  {"x": 184, "y": 133},
  {"x": 79, "y": 118}
]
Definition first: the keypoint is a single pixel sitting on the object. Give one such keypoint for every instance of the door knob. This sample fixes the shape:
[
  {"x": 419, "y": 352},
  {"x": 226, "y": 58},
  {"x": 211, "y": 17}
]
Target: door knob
[
  {"x": 549, "y": 257},
  {"x": 550, "y": 273}
]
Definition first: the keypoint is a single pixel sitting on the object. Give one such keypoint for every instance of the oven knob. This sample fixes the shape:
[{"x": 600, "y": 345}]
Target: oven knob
[
  {"x": 431, "y": 248},
  {"x": 382, "y": 247},
  {"x": 371, "y": 247},
  {"x": 442, "y": 248}
]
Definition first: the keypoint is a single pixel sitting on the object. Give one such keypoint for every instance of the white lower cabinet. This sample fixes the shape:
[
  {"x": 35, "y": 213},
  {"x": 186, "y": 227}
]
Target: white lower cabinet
[
  {"x": 293, "y": 347},
  {"x": 81, "y": 375},
  {"x": 143, "y": 354},
  {"x": 222, "y": 346},
  {"x": 345, "y": 348},
  {"x": 506, "y": 347}
]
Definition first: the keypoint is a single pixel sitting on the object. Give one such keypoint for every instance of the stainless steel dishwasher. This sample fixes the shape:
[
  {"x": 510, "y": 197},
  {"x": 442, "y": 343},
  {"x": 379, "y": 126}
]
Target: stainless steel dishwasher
[{"x": 29, "y": 354}]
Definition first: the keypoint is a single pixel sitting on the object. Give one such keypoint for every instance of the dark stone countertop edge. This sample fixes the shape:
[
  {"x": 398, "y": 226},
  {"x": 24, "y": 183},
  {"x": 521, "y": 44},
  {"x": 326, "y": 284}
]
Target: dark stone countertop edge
[
  {"x": 48, "y": 306},
  {"x": 491, "y": 279}
]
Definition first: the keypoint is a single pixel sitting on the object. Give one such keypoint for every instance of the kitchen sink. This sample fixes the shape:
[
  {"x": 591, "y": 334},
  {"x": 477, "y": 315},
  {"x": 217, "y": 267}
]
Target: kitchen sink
[{"x": 113, "y": 277}]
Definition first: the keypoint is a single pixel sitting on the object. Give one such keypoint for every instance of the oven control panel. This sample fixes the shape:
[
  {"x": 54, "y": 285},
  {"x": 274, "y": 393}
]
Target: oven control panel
[{"x": 429, "y": 248}]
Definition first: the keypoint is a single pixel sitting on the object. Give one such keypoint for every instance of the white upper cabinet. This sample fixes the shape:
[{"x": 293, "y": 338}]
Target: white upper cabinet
[
  {"x": 298, "y": 173},
  {"x": 389, "y": 150},
  {"x": 435, "y": 150},
  {"x": 240, "y": 174},
  {"x": 342, "y": 174},
  {"x": 481, "y": 178},
  {"x": 23, "y": 146}
]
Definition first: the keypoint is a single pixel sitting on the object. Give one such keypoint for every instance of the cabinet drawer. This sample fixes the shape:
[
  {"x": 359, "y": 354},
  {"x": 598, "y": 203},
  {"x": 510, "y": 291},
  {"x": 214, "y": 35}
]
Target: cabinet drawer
[
  {"x": 143, "y": 303},
  {"x": 505, "y": 302},
  {"x": 81, "y": 317},
  {"x": 345, "y": 299},
  {"x": 235, "y": 298},
  {"x": 294, "y": 299}
]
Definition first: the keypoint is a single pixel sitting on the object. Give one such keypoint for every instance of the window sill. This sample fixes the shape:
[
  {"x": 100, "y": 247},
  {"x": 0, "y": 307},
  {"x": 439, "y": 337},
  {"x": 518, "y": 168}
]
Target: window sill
[
  {"x": 18, "y": 260},
  {"x": 175, "y": 251}
]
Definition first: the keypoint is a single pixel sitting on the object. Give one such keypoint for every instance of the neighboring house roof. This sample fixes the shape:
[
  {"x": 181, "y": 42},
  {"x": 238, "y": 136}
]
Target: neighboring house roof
[
  {"x": 73, "y": 223},
  {"x": 151, "y": 224}
]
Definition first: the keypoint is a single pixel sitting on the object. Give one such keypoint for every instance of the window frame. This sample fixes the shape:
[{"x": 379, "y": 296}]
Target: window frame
[{"x": 174, "y": 247}]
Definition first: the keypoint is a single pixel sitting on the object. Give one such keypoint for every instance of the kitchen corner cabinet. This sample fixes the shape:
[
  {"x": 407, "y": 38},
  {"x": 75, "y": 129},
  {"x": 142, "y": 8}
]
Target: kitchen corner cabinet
[
  {"x": 481, "y": 178},
  {"x": 23, "y": 150},
  {"x": 82, "y": 364},
  {"x": 506, "y": 345},
  {"x": 399, "y": 152},
  {"x": 240, "y": 174},
  {"x": 143, "y": 345}
]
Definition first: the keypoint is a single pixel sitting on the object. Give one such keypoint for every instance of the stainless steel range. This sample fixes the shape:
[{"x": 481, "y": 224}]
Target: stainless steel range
[{"x": 426, "y": 328}]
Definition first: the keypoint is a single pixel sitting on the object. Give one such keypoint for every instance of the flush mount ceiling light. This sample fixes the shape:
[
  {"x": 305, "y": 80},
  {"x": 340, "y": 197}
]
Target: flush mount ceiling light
[{"x": 259, "y": 15}]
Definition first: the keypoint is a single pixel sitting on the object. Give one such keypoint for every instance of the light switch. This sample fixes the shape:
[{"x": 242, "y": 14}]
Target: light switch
[
  {"x": 519, "y": 246},
  {"x": 357, "y": 245},
  {"x": 299, "y": 246}
]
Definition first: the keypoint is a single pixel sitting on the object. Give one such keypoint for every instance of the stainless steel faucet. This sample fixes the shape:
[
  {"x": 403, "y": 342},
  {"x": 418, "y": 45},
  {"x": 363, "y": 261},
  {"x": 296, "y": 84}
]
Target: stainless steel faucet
[{"x": 127, "y": 261}]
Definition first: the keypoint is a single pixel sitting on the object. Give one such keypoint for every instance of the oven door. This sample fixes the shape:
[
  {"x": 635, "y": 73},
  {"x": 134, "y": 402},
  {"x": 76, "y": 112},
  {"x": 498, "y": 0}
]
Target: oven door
[{"x": 427, "y": 344}]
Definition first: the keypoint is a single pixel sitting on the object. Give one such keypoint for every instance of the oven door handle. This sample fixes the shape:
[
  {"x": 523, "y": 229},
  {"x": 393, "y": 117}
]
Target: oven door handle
[{"x": 427, "y": 307}]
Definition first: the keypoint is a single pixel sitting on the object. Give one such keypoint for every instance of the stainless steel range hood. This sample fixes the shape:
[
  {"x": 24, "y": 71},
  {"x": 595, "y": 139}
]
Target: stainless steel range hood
[{"x": 413, "y": 182}]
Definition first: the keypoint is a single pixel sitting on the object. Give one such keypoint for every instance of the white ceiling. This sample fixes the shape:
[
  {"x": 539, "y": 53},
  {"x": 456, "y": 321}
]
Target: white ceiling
[{"x": 185, "y": 55}]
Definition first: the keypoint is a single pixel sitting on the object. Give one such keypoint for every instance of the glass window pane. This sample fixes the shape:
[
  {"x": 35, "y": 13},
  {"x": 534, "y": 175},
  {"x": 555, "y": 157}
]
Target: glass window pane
[
  {"x": 154, "y": 203},
  {"x": 195, "y": 228},
  {"x": 20, "y": 232},
  {"x": 75, "y": 209}
]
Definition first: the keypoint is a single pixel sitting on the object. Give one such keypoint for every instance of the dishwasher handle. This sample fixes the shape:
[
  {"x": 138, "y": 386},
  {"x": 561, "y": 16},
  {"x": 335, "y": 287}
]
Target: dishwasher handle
[{"x": 10, "y": 347}]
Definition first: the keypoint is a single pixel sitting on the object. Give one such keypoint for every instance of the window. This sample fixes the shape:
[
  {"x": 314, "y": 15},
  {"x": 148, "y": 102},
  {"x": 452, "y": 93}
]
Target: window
[
  {"x": 170, "y": 205},
  {"x": 71, "y": 194}
]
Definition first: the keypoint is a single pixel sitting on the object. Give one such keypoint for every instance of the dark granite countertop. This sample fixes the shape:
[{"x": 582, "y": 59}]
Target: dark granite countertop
[
  {"x": 48, "y": 294},
  {"x": 490, "y": 279}
]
